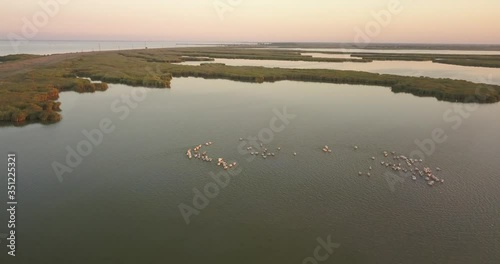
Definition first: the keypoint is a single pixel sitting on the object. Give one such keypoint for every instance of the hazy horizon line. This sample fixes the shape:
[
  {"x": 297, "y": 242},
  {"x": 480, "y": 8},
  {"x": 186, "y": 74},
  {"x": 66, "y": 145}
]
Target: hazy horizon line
[{"x": 267, "y": 42}]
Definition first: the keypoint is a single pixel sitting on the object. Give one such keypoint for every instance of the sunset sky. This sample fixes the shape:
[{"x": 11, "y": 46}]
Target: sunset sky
[{"x": 423, "y": 21}]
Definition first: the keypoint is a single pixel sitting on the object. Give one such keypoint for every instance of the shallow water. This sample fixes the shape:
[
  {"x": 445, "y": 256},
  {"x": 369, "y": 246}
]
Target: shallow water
[
  {"x": 120, "y": 204},
  {"x": 335, "y": 56},
  {"x": 404, "y": 68}
]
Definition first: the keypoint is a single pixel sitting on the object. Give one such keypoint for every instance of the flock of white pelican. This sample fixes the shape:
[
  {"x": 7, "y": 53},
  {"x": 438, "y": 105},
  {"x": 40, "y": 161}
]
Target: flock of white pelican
[
  {"x": 198, "y": 154},
  {"x": 264, "y": 151},
  {"x": 400, "y": 163},
  {"x": 407, "y": 165}
]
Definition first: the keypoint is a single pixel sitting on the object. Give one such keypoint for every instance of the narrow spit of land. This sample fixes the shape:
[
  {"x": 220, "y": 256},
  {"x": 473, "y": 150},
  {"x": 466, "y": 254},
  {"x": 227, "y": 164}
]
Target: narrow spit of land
[{"x": 30, "y": 84}]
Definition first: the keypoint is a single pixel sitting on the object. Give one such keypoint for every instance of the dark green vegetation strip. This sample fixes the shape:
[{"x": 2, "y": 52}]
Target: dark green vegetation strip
[
  {"x": 16, "y": 57},
  {"x": 490, "y": 61},
  {"x": 29, "y": 88},
  {"x": 382, "y": 46}
]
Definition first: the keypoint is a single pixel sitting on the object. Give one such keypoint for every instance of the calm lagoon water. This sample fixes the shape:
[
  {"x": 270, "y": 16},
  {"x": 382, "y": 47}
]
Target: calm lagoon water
[
  {"x": 120, "y": 205},
  {"x": 337, "y": 56}
]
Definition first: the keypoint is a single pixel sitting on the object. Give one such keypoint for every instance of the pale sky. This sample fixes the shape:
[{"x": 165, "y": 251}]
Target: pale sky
[{"x": 422, "y": 21}]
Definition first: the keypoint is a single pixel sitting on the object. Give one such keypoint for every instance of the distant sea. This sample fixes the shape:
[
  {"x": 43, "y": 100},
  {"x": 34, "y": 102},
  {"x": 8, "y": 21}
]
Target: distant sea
[{"x": 46, "y": 47}]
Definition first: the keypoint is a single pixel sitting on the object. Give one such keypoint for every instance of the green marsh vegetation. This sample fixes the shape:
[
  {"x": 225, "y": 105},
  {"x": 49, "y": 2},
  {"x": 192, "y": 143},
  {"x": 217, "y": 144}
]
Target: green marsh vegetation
[
  {"x": 16, "y": 57},
  {"x": 29, "y": 88},
  {"x": 490, "y": 61},
  {"x": 382, "y": 46}
]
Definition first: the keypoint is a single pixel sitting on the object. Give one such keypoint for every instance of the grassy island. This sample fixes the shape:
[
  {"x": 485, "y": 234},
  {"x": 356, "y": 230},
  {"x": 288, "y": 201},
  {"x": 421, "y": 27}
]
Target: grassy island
[
  {"x": 30, "y": 84},
  {"x": 490, "y": 61}
]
